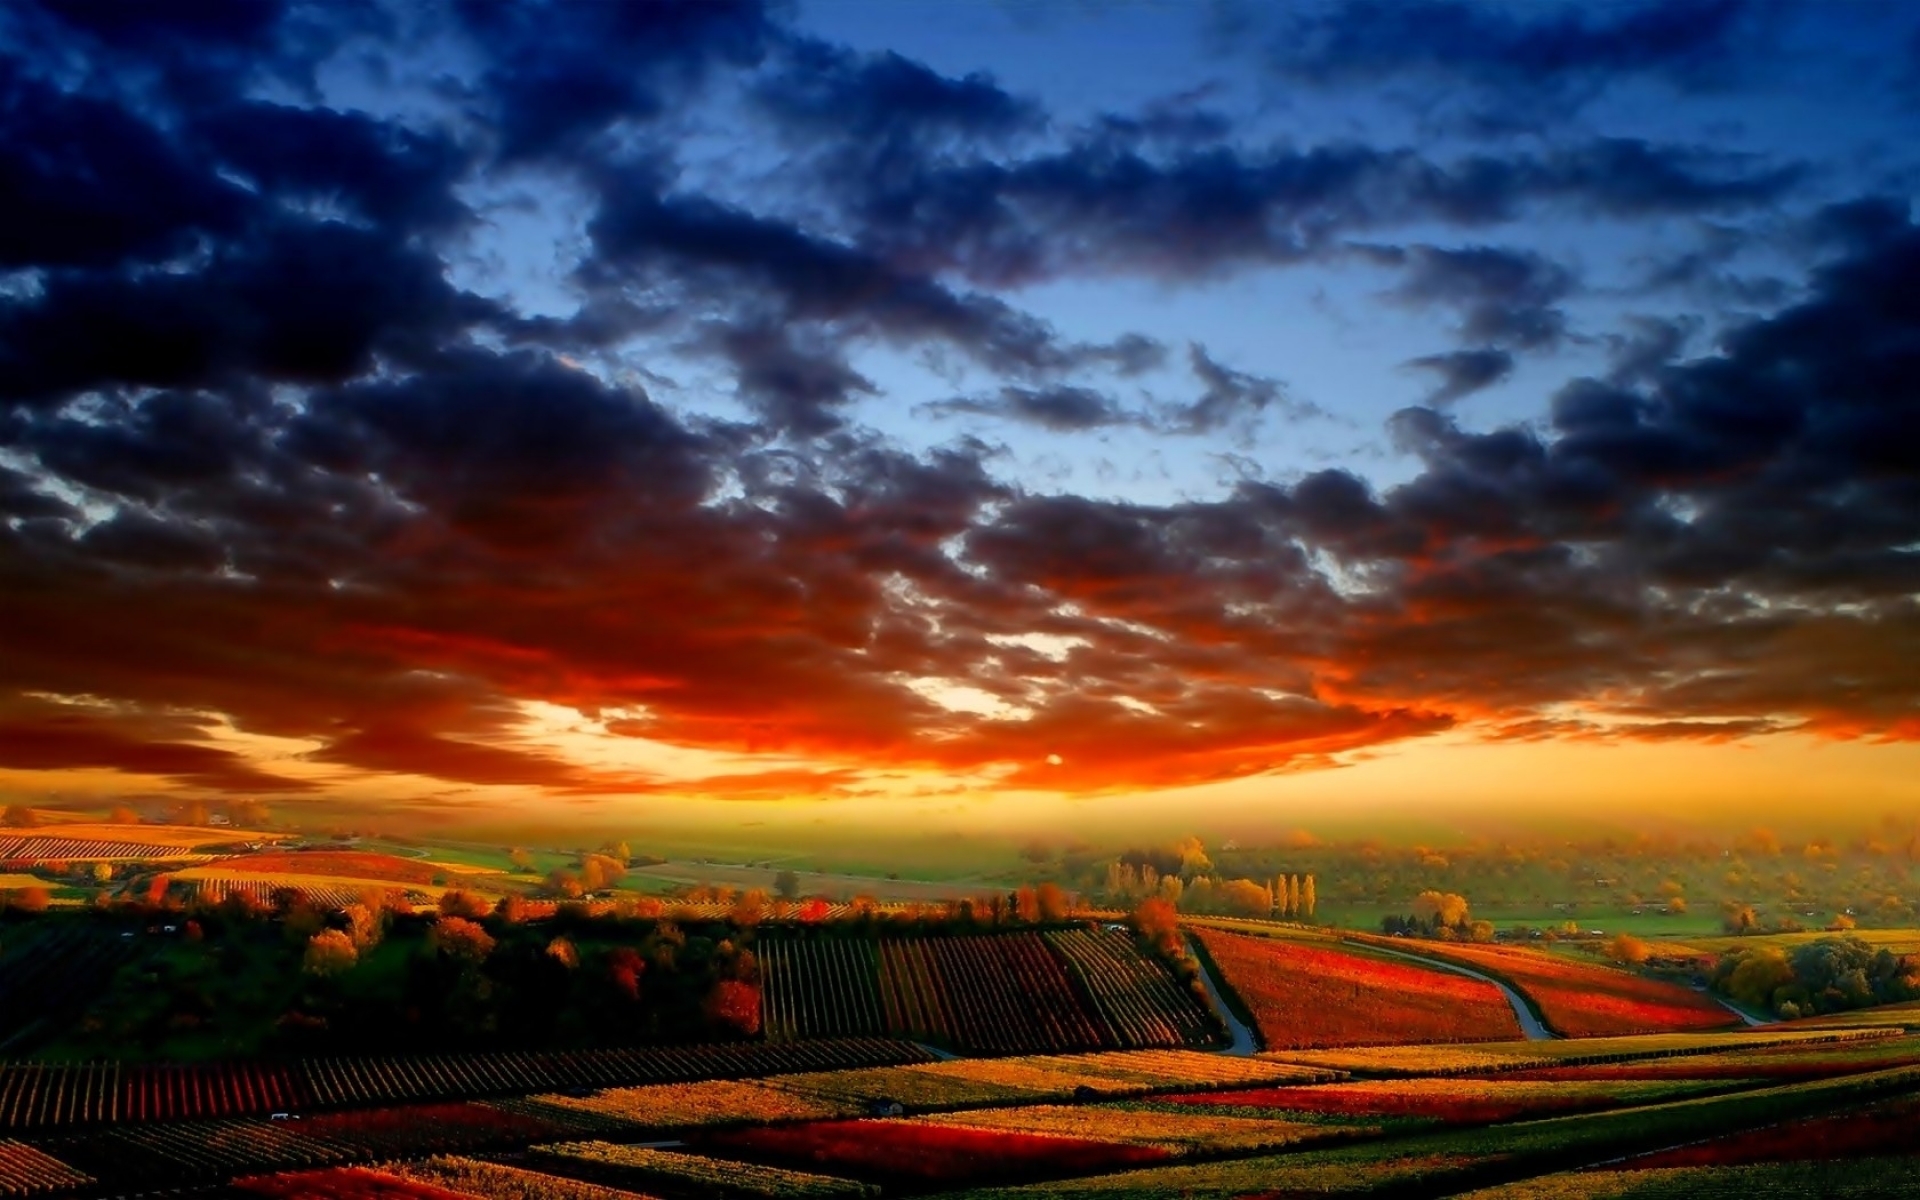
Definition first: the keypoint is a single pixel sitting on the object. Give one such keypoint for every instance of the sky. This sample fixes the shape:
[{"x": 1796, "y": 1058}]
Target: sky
[{"x": 1002, "y": 414}]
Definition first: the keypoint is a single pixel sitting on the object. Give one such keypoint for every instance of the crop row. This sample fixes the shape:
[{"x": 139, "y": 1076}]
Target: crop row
[
  {"x": 197, "y": 1151},
  {"x": 822, "y": 987},
  {"x": 1135, "y": 995},
  {"x": 1449, "y": 1101},
  {"x": 263, "y": 892},
  {"x": 25, "y": 1171},
  {"x": 639, "y": 1166},
  {"x": 978, "y": 1083},
  {"x": 45, "y": 849},
  {"x": 472, "y": 1177},
  {"x": 37, "y": 1096},
  {"x": 53, "y": 1095},
  {"x": 914, "y": 1154},
  {"x": 998, "y": 993}
]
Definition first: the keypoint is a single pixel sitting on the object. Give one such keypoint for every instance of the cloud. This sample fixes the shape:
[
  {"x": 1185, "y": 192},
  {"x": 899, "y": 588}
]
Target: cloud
[
  {"x": 1062, "y": 409},
  {"x": 267, "y": 456},
  {"x": 37, "y": 736},
  {"x": 1505, "y": 298},
  {"x": 558, "y": 76},
  {"x": 1557, "y": 55},
  {"x": 1463, "y": 372}
]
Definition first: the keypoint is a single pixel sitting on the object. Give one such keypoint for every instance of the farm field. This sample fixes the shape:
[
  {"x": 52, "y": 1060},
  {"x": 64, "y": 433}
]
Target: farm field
[
  {"x": 997, "y": 993},
  {"x": 327, "y": 864},
  {"x": 1309, "y": 994},
  {"x": 212, "y": 885},
  {"x": 926, "y": 1153},
  {"x": 1437, "y": 1060},
  {"x": 1579, "y": 1000}
]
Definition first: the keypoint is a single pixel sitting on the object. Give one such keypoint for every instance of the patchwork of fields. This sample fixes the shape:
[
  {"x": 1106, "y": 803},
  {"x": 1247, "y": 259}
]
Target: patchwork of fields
[{"x": 1108, "y": 1124}]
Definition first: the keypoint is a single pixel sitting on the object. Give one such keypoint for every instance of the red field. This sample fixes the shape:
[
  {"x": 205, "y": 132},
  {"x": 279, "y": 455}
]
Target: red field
[
  {"x": 343, "y": 1183},
  {"x": 1309, "y": 997},
  {"x": 1453, "y": 1101},
  {"x": 899, "y": 1151},
  {"x": 1578, "y": 1000},
  {"x": 345, "y": 864},
  {"x": 1889, "y": 1128}
]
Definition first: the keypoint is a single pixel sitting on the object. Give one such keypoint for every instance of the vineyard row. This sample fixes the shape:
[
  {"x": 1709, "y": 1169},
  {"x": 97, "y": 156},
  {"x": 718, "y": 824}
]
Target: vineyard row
[{"x": 44, "y": 1096}]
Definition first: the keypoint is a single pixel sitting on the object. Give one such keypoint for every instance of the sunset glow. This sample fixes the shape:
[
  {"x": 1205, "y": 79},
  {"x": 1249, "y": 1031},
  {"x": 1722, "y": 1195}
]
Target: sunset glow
[{"x": 1221, "y": 418}]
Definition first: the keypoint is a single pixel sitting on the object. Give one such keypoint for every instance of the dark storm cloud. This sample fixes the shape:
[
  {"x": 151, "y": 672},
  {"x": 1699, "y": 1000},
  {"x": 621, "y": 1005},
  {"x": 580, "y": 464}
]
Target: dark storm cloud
[
  {"x": 1104, "y": 206},
  {"x": 1554, "y": 51},
  {"x": 197, "y": 52},
  {"x": 1505, "y": 298},
  {"x": 298, "y": 301},
  {"x": 883, "y": 100},
  {"x": 560, "y": 74},
  {"x": 798, "y": 383},
  {"x": 728, "y": 257},
  {"x": 85, "y": 182}
]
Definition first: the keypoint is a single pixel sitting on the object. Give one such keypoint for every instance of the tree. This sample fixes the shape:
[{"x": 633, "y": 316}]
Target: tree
[
  {"x": 599, "y": 872},
  {"x": 1052, "y": 902},
  {"x": 1309, "y": 899},
  {"x": 1677, "y": 906},
  {"x": 364, "y": 925},
  {"x": 1193, "y": 857},
  {"x": 29, "y": 899},
  {"x": 461, "y": 939},
  {"x": 1627, "y": 949},
  {"x": 561, "y": 950},
  {"x": 734, "y": 1004},
  {"x": 521, "y": 860},
  {"x": 19, "y": 816},
  {"x": 1244, "y": 897},
  {"x": 1438, "y": 910},
  {"x": 1156, "y": 921},
  {"x": 123, "y": 816},
  {"x": 1293, "y": 896},
  {"x": 329, "y": 952},
  {"x": 190, "y": 812},
  {"x": 624, "y": 969},
  {"x": 749, "y": 909},
  {"x": 458, "y": 902},
  {"x": 103, "y": 872},
  {"x": 786, "y": 884},
  {"x": 249, "y": 812},
  {"x": 1280, "y": 897},
  {"x": 1026, "y": 905}
]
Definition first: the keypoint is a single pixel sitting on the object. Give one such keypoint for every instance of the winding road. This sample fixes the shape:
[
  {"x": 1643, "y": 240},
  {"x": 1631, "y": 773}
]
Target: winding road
[
  {"x": 1529, "y": 1024},
  {"x": 1244, "y": 1042}
]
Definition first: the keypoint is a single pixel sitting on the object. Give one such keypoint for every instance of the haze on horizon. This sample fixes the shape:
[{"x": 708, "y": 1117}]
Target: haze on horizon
[{"x": 962, "y": 416}]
